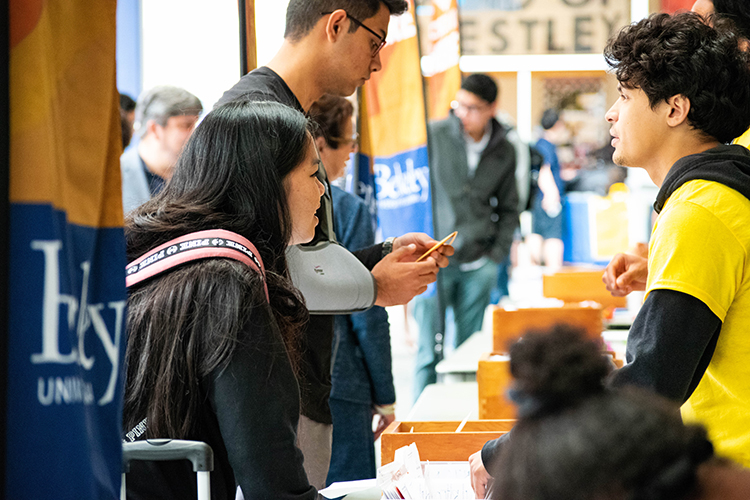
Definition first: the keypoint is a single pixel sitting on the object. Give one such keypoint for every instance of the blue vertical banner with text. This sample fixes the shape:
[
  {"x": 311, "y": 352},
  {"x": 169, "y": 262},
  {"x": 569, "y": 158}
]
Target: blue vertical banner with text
[
  {"x": 67, "y": 254},
  {"x": 393, "y": 159}
]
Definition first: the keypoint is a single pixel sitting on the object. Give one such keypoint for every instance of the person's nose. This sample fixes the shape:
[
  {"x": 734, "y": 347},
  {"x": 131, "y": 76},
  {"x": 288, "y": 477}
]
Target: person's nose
[
  {"x": 321, "y": 187},
  {"x": 611, "y": 114},
  {"x": 376, "y": 65}
]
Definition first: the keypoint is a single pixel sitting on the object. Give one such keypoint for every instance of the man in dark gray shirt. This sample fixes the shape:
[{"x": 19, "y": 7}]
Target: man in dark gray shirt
[{"x": 332, "y": 47}]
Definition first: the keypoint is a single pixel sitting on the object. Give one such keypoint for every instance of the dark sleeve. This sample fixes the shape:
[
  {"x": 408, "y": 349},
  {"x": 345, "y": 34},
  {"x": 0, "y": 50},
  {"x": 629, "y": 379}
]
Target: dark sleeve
[
  {"x": 256, "y": 401},
  {"x": 374, "y": 336},
  {"x": 371, "y": 327},
  {"x": 370, "y": 256},
  {"x": 491, "y": 451},
  {"x": 354, "y": 224},
  {"x": 507, "y": 207},
  {"x": 669, "y": 345},
  {"x": 536, "y": 159}
]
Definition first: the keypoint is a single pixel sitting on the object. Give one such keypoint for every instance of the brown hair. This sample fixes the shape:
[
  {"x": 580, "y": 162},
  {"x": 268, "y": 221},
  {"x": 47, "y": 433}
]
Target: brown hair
[{"x": 330, "y": 113}]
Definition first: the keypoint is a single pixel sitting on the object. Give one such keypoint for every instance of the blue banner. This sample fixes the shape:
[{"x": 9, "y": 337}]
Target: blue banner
[
  {"x": 402, "y": 190},
  {"x": 67, "y": 320}
]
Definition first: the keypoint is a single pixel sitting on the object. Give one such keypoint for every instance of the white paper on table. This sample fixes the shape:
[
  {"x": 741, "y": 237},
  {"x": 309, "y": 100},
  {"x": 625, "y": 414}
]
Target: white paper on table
[
  {"x": 449, "y": 480},
  {"x": 365, "y": 489},
  {"x": 499, "y": 357}
]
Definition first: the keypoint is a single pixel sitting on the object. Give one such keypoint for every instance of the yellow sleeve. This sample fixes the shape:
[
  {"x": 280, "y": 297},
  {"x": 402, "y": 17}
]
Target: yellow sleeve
[
  {"x": 744, "y": 139},
  {"x": 693, "y": 252}
]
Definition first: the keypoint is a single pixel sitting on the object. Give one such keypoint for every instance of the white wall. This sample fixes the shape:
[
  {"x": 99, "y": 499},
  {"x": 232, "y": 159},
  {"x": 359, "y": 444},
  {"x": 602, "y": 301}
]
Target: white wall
[
  {"x": 269, "y": 27},
  {"x": 194, "y": 44}
]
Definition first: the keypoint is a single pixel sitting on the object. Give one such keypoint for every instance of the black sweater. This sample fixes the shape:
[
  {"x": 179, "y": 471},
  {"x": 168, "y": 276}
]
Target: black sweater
[{"x": 248, "y": 416}]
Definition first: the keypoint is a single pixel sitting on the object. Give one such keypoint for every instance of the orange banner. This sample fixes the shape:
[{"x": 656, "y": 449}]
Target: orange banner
[
  {"x": 64, "y": 109},
  {"x": 440, "y": 64}
]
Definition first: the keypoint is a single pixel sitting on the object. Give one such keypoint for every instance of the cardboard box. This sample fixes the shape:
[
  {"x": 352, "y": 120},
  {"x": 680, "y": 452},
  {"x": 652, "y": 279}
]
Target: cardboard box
[
  {"x": 493, "y": 381},
  {"x": 575, "y": 284},
  {"x": 439, "y": 441},
  {"x": 509, "y": 325}
]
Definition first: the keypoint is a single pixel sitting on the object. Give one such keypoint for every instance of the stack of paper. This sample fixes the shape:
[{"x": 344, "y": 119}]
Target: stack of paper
[{"x": 407, "y": 477}]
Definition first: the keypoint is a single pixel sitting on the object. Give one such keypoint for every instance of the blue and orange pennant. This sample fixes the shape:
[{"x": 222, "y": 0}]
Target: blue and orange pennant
[
  {"x": 67, "y": 253},
  {"x": 393, "y": 151}
]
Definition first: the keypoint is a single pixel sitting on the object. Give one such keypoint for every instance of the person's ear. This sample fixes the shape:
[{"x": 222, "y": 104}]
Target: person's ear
[
  {"x": 320, "y": 143},
  {"x": 679, "y": 107},
  {"x": 153, "y": 128},
  {"x": 335, "y": 26}
]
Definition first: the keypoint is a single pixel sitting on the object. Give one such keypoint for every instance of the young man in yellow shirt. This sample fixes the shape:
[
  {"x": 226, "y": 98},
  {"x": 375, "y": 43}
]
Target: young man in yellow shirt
[{"x": 684, "y": 94}]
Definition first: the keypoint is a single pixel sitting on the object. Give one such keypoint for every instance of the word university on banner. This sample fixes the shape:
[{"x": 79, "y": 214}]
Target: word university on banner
[
  {"x": 393, "y": 157},
  {"x": 67, "y": 295}
]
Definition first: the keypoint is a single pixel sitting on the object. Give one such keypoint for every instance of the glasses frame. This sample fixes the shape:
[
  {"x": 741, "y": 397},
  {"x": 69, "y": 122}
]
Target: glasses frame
[
  {"x": 363, "y": 25},
  {"x": 455, "y": 106},
  {"x": 352, "y": 141}
]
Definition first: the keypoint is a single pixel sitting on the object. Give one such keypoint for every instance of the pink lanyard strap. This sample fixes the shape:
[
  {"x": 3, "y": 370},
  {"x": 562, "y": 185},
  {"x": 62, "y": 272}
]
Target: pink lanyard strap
[{"x": 194, "y": 246}]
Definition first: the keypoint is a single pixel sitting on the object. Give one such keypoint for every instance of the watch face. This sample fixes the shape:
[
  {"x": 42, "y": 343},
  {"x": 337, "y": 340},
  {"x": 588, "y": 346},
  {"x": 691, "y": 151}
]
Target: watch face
[{"x": 388, "y": 246}]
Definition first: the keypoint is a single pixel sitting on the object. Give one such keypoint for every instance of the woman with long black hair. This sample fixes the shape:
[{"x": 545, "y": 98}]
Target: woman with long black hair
[{"x": 211, "y": 346}]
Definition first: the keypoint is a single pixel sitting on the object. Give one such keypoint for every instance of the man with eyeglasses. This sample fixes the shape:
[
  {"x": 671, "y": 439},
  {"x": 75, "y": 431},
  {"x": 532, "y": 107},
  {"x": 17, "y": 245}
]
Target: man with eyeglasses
[
  {"x": 332, "y": 47},
  {"x": 472, "y": 167}
]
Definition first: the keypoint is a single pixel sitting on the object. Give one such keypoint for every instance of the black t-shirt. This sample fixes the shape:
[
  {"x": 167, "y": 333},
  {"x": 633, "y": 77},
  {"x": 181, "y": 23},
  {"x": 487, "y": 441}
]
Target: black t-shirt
[{"x": 262, "y": 84}]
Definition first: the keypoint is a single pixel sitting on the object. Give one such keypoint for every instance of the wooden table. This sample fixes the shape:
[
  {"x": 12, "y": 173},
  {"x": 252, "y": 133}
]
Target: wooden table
[
  {"x": 461, "y": 365},
  {"x": 446, "y": 402}
]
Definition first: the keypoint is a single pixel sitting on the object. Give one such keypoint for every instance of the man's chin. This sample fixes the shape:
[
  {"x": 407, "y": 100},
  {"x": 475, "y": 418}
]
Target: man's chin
[
  {"x": 624, "y": 162},
  {"x": 619, "y": 160},
  {"x": 347, "y": 90}
]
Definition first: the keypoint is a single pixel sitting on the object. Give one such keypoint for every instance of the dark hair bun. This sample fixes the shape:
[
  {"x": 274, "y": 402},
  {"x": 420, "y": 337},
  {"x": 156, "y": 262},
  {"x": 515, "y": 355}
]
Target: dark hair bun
[{"x": 554, "y": 369}]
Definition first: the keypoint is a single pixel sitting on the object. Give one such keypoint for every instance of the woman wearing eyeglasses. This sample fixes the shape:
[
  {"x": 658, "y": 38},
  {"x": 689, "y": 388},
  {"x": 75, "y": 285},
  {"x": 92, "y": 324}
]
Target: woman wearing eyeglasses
[{"x": 362, "y": 382}]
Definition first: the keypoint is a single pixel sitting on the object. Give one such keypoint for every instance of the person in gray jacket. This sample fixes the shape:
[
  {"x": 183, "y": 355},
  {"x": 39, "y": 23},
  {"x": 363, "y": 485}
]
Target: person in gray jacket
[
  {"x": 472, "y": 171},
  {"x": 165, "y": 117}
]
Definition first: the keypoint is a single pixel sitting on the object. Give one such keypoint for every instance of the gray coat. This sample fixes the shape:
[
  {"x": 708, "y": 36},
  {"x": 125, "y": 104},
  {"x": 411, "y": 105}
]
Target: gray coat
[
  {"x": 135, "y": 191},
  {"x": 484, "y": 208}
]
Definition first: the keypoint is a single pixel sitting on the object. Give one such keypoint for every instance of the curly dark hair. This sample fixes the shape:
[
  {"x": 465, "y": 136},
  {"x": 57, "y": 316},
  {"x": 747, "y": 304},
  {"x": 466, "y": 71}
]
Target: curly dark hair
[
  {"x": 303, "y": 15},
  {"x": 576, "y": 440},
  {"x": 667, "y": 55},
  {"x": 555, "y": 370},
  {"x": 736, "y": 10}
]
